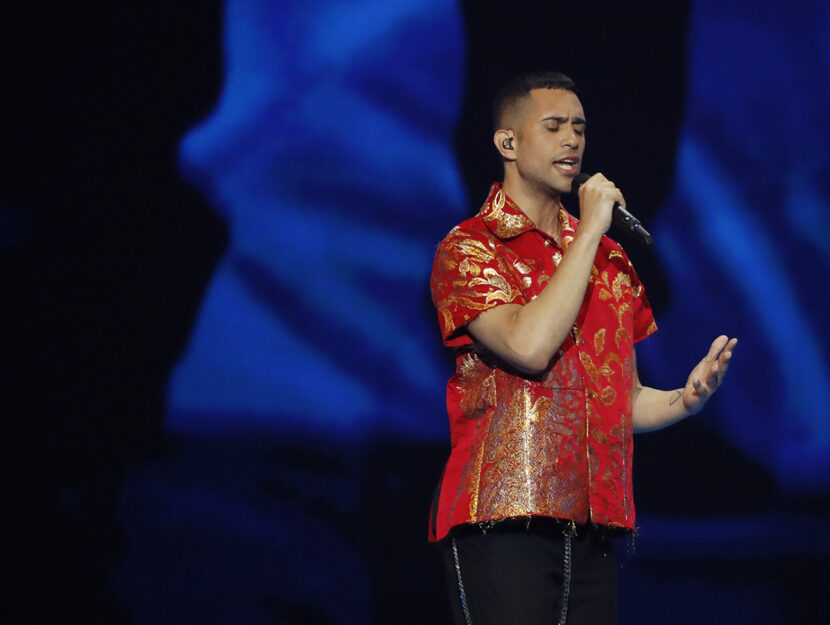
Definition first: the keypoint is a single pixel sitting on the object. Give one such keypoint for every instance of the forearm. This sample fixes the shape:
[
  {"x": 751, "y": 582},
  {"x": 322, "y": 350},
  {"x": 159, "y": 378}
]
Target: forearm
[
  {"x": 653, "y": 409},
  {"x": 533, "y": 333}
]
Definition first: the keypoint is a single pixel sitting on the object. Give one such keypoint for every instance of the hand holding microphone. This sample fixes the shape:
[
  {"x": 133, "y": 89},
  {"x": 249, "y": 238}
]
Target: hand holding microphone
[{"x": 620, "y": 216}]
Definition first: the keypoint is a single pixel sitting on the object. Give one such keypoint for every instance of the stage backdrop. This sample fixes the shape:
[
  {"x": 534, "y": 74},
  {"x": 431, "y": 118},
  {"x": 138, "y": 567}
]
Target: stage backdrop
[{"x": 306, "y": 415}]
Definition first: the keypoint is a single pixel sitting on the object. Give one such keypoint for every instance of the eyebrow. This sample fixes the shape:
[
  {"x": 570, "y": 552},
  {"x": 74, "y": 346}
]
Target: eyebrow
[{"x": 562, "y": 119}]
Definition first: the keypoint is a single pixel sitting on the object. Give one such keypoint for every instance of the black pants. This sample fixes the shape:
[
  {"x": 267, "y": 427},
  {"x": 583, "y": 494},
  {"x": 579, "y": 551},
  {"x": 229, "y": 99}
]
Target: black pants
[{"x": 513, "y": 573}]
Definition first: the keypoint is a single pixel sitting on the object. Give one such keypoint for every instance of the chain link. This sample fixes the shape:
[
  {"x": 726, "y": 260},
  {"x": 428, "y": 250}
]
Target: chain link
[
  {"x": 567, "y": 570},
  {"x": 461, "y": 593}
]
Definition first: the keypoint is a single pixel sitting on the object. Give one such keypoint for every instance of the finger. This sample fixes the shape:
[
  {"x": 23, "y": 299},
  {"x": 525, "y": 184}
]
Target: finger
[
  {"x": 730, "y": 346},
  {"x": 610, "y": 191},
  {"x": 726, "y": 356},
  {"x": 723, "y": 360},
  {"x": 717, "y": 347},
  {"x": 606, "y": 186},
  {"x": 595, "y": 184}
]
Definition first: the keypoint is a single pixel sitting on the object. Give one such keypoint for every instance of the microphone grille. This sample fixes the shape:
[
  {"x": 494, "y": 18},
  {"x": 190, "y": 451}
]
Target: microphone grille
[{"x": 578, "y": 181}]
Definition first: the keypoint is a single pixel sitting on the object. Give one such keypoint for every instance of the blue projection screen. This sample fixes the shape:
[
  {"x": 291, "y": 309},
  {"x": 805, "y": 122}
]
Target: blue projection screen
[{"x": 330, "y": 155}]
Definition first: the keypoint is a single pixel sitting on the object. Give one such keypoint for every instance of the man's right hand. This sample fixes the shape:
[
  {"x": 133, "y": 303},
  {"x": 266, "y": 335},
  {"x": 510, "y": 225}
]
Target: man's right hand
[{"x": 597, "y": 196}]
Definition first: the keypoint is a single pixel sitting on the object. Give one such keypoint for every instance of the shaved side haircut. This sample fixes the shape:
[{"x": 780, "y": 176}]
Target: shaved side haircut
[{"x": 517, "y": 89}]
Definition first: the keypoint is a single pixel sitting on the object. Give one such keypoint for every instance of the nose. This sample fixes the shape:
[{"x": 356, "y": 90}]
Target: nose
[{"x": 569, "y": 138}]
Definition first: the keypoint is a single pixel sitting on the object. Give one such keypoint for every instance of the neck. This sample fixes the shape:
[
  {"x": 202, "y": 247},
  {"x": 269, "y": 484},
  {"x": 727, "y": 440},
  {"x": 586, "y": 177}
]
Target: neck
[{"x": 542, "y": 207}]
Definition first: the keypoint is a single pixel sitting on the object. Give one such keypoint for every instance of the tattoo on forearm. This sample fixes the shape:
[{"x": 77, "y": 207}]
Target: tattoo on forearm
[{"x": 675, "y": 397}]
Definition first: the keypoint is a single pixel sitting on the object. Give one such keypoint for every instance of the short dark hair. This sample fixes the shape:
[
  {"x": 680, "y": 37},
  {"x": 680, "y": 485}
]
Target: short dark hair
[{"x": 521, "y": 86}]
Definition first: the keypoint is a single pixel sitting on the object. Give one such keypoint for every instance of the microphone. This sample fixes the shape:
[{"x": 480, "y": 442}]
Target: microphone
[{"x": 621, "y": 217}]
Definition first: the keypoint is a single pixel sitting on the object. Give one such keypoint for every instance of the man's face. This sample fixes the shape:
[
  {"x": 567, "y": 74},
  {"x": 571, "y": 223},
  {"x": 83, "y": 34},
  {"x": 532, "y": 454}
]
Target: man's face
[{"x": 550, "y": 139}]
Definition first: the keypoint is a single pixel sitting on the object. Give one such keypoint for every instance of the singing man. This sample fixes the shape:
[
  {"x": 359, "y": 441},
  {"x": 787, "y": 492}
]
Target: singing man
[{"x": 543, "y": 311}]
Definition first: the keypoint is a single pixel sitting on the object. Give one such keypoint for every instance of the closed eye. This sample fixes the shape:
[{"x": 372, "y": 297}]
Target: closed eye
[{"x": 578, "y": 124}]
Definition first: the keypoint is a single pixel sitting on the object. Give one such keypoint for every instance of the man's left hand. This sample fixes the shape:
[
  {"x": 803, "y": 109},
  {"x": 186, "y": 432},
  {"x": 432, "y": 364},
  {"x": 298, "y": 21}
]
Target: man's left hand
[{"x": 708, "y": 375}]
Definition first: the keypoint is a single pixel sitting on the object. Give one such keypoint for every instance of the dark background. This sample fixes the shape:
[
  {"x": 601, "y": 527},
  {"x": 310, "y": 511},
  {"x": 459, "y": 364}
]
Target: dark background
[{"x": 108, "y": 253}]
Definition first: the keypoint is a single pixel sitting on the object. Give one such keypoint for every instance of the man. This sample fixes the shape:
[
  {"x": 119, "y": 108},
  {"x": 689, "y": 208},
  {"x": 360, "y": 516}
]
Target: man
[{"x": 543, "y": 311}]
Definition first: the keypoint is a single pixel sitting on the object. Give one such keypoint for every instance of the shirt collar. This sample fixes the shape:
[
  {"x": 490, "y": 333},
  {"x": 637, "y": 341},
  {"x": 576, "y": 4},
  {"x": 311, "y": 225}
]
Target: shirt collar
[{"x": 506, "y": 220}]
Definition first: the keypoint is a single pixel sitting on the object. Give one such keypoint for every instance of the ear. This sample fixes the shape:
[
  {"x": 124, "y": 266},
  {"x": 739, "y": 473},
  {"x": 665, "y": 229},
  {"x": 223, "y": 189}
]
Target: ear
[{"x": 505, "y": 142}]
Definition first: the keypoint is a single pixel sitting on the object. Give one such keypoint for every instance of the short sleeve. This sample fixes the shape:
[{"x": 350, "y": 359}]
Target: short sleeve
[{"x": 469, "y": 276}]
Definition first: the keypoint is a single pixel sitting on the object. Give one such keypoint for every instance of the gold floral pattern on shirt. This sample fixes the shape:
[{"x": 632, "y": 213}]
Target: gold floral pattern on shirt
[
  {"x": 516, "y": 468},
  {"x": 555, "y": 444},
  {"x": 500, "y": 291},
  {"x": 599, "y": 340},
  {"x": 474, "y": 275},
  {"x": 505, "y": 218}
]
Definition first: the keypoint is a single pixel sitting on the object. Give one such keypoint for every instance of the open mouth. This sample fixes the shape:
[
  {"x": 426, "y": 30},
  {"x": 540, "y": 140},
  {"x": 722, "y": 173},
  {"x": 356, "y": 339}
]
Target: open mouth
[{"x": 567, "y": 166}]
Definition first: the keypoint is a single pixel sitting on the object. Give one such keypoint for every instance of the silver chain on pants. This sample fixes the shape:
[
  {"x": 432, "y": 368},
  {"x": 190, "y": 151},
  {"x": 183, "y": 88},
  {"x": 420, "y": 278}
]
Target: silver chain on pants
[
  {"x": 461, "y": 593},
  {"x": 567, "y": 572}
]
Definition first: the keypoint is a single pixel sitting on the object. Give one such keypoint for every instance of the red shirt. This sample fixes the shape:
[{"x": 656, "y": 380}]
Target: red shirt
[{"x": 557, "y": 444}]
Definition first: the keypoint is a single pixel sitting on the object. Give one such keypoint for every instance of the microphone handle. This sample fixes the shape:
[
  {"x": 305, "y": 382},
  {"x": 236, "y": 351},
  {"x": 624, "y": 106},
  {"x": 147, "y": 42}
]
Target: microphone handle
[
  {"x": 620, "y": 216},
  {"x": 628, "y": 222}
]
